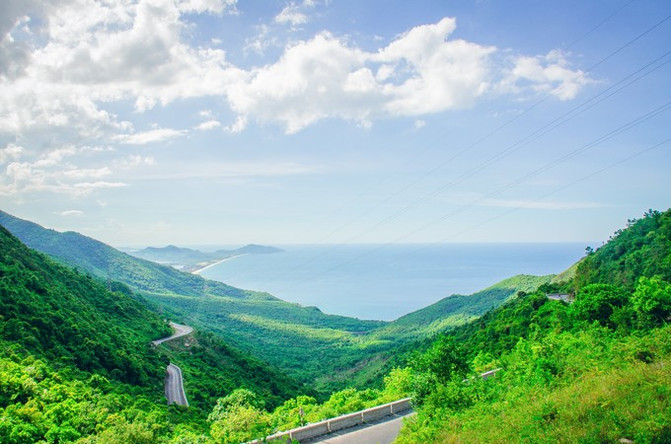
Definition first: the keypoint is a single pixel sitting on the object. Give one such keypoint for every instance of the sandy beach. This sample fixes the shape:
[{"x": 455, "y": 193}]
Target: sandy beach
[{"x": 230, "y": 258}]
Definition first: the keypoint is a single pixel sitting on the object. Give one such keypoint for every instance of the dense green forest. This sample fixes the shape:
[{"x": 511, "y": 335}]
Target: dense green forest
[
  {"x": 596, "y": 370},
  {"x": 323, "y": 351},
  {"x": 76, "y": 363},
  {"x": 76, "y": 360}
]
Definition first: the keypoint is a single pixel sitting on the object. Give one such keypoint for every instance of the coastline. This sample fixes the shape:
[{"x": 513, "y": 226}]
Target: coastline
[{"x": 230, "y": 258}]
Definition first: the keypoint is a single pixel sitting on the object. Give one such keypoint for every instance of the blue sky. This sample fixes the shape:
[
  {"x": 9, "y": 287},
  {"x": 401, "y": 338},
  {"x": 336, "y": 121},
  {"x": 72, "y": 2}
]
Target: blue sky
[{"x": 193, "y": 122}]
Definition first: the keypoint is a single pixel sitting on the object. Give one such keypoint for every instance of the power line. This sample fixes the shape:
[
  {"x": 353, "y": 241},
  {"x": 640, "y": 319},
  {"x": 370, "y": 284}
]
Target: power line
[
  {"x": 518, "y": 145},
  {"x": 608, "y": 136}
]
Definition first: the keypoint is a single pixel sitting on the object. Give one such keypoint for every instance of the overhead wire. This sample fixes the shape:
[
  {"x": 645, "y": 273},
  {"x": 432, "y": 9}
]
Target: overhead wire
[
  {"x": 534, "y": 136},
  {"x": 608, "y": 136}
]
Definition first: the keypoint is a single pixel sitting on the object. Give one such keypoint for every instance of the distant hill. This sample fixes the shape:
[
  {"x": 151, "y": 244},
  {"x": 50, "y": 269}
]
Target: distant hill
[
  {"x": 188, "y": 259},
  {"x": 459, "y": 309},
  {"x": 105, "y": 262},
  {"x": 330, "y": 351},
  {"x": 75, "y": 349}
]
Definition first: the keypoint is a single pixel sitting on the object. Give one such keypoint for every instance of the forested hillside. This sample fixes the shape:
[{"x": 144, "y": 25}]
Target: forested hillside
[
  {"x": 60, "y": 315},
  {"x": 596, "y": 370},
  {"x": 327, "y": 352},
  {"x": 76, "y": 360}
]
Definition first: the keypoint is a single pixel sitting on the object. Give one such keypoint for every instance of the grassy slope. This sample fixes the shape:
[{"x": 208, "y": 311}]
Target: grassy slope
[
  {"x": 566, "y": 378},
  {"x": 459, "y": 309}
]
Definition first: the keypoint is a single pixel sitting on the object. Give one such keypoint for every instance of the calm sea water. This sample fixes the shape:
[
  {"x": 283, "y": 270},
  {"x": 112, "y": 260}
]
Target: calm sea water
[{"x": 385, "y": 282}]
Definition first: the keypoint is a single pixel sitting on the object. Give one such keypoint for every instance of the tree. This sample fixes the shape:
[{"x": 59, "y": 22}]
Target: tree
[
  {"x": 597, "y": 302},
  {"x": 238, "y": 418},
  {"x": 652, "y": 300},
  {"x": 445, "y": 360}
]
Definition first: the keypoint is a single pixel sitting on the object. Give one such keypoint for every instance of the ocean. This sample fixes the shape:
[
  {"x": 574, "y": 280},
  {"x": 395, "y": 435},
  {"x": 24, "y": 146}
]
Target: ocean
[{"x": 384, "y": 282}]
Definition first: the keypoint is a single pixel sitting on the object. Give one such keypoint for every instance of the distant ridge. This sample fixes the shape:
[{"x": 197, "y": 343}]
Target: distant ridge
[{"x": 188, "y": 259}]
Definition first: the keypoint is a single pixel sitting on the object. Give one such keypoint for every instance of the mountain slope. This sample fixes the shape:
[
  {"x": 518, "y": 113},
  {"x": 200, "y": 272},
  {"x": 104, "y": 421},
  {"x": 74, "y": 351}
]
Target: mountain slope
[
  {"x": 105, "y": 262},
  {"x": 301, "y": 340},
  {"x": 60, "y": 315},
  {"x": 595, "y": 370},
  {"x": 459, "y": 309}
]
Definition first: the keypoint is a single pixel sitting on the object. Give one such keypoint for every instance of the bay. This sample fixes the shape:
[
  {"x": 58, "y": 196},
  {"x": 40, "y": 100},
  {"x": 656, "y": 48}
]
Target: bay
[{"x": 384, "y": 282}]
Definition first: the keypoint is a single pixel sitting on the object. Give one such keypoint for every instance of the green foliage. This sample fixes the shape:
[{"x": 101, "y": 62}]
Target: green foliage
[
  {"x": 593, "y": 371},
  {"x": 39, "y": 404},
  {"x": 652, "y": 300},
  {"x": 598, "y": 302},
  {"x": 238, "y": 418},
  {"x": 212, "y": 369},
  {"x": 58, "y": 314},
  {"x": 642, "y": 249},
  {"x": 444, "y": 360}
]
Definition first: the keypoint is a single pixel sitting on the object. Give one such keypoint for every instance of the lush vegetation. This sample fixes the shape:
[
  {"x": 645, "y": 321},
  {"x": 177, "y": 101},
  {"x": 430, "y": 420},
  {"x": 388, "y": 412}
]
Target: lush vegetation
[
  {"x": 596, "y": 370},
  {"x": 76, "y": 364},
  {"x": 327, "y": 352},
  {"x": 76, "y": 360}
]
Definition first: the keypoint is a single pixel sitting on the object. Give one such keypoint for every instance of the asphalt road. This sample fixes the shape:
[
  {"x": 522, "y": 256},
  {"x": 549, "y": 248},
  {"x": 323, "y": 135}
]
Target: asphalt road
[
  {"x": 382, "y": 432},
  {"x": 174, "y": 388},
  {"x": 174, "y": 385},
  {"x": 180, "y": 330}
]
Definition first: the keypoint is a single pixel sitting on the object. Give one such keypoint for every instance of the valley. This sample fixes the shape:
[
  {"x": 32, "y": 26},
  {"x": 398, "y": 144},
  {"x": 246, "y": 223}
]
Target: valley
[{"x": 252, "y": 363}]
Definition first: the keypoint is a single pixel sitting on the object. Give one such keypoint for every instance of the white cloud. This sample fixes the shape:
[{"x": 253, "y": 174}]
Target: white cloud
[
  {"x": 69, "y": 213},
  {"x": 10, "y": 152},
  {"x": 208, "y": 125},
  {"x": 291, "y": 15},
  {"x": 86, "y": 54},
  {"x": 151, "y": 136},
  {"x": 201, "y": 6},
  {"x": 421, "y": 72},
  {"x": 550, "y": 73},
  {"x": 420, "y": 124}
]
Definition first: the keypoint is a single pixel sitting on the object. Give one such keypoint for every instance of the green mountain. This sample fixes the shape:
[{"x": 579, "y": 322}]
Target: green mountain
[
  {"x": 60, "y": 315},
  {"x": 300, "y": 340},
  {"x": 188, "y": 259},
  {"x": 459, "y": 309},
  {"x": 327, "y": 352},
  {"x": 75, "y": 349},
  {"x": 595, "y": 370}
]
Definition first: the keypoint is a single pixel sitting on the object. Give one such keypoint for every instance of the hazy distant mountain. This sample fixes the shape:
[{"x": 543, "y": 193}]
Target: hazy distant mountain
[{"x": 188, "y": 259}]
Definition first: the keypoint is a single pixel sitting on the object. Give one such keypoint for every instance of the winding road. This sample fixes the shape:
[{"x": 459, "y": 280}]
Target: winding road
[
  {"x": 174, "y": 385},
  {"x": 384, "y": 431}
]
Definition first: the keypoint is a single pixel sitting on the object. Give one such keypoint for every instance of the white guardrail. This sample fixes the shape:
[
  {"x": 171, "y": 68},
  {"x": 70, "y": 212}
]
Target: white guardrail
[{"x": 341, "y": 422}]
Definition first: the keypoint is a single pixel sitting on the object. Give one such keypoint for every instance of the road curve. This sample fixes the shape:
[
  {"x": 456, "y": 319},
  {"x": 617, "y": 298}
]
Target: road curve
[
  {"x": 174, "y": 387},
  {"x": 180, "y": 330},
  {"x": 174, "y": 384},
  {"x": 382, "y": 432}
]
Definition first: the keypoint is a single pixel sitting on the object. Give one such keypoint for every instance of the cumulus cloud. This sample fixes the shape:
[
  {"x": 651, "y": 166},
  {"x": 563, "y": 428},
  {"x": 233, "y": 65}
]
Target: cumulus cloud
[
  {"x": 208, "y": 125},
  {"x": 421, "y": 72},
  {"x": 151, "y": 136},
  {"x": 550, "y": 73},
  {"x": 86, "y": 54}
]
